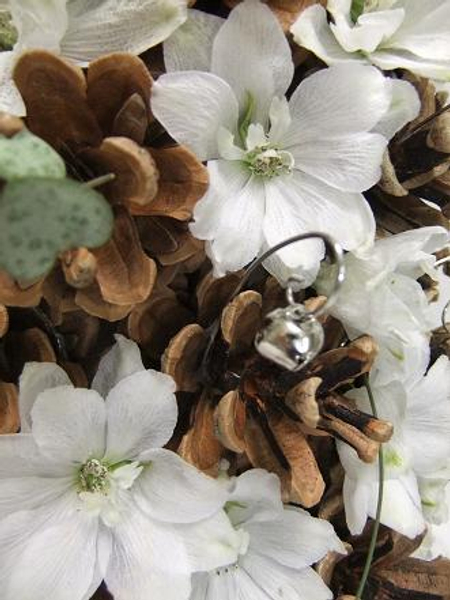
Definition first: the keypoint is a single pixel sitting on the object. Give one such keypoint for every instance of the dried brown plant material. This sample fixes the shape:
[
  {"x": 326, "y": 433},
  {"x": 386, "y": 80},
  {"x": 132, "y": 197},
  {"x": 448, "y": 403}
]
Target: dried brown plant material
[
  {"x": 81, "y": 332},
  {"x": 302, "y": 400},
  {"x": 10, "y": 125},
  {"x": 79, "y": 267},
  {"x": 36, "y": 346},
  {"x": 59, "y": 297},
  {"x": 76, "y": 374},
  {"x": 263, "y": 455},
  {"x": 153, "y": 323},
  {"x": 131, "y": 120},
  {"x": 199, "y": 445},
  {"x": 183, "y": 355},
  {"x": 135, "y": 180},
  {"x": 182, "y": 181},
  {"x": 306, "y": 483},
  {"x": 91, "y": 300},
  {"x": 411, "y": 210},
  {"x": 125, "y": 274},
  {"x": 9, "y": 408},
  {"x": 52, "y": 87},
  {"x": 325, "y": 567},
  {"x": 212, "y": 295},
  {"x": 429, "y": 175},
  {"x": 389, "y": 182},
  {"x": 111, "y": 81},
  {"x": 229, "y": 422},
  {"x": 439, "y": 134},
  {"x": 241, "y": 319},
  {"x": 4, "y": 320},
  {"x": 11, "y": 294}
]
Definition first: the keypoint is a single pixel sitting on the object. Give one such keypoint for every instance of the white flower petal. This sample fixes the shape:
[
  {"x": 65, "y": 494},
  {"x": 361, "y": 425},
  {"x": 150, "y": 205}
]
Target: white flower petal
[
  {"x": 370, "y": 31},
  {"x": 401, "y": 508},
  {"x": 295, "y": 540},
  {"x": 252, "y": 54},
  {"x": 167, "y": 479},
  {"x": 280, "y": 119},
  {"x": 425, "y": 30},
  {"x": 405, "y": 106},
  {"x": 69, "y": 424},
  {"x": 427, "y": 424},
  {"x": 356, "y": 502},
  {"x": 148, "y": 560},
  {"x": 339, "y": 100},
  {"x": 36, "y": 378},
  {"x": 193, "y": 106},
  {"x": 350, "y": 163},
  {"x": 222, "y": 586},
  {"x": 10, "y": 98},
  {"x": 256, "y": 496},
  {"x": 142, "y": 414},
  {"x": 287, "y": 214},
  {"x": 315, "y": 206},
  {"x": 48, "y": 553},
  {"x": 27, "y": 493},
  {"x": 20, "y": 457},
  {"x": 39, "y": 24},
  {"x": 389, "y": 59},
  {"x": 279, "y": 581},
  {"x": 230, "y": 216},
  {"x": 212, "y": 542},
  {"x": 312, "y": 31},
  {"x": 189, "y": 48},
  {"x": 122, "y": 360},
  {"x": 108, "y": 26}
]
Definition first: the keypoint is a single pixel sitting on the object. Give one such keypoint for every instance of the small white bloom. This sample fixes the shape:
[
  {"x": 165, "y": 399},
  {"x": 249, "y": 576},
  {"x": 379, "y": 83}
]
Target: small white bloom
[
  {"x": 437, "y": 539},
  {"x": 419, "y": 447},
  {"x": 391, "y": 34},
  {"x": 82, "y": 30},
  {"x": 279, "y": 545},
  {"x": 381, "y": 297},
  {"x": 87, "y": 493},
  {"x": 276, "y": 168}
]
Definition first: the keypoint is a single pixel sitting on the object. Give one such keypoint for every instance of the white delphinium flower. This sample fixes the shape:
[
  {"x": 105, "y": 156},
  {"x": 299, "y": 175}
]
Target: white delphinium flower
[
  {"x": 435, "y": 497},
  {"x": 276, "y": 168},
  {"x": 87, "y": 493},
  {"x": 419, "y": 447},
  {"x": 279, "y": 546},
  {"x": 82, "y": 30},
  {"x": 391, "y": 34},
  {"x": 381, "y": 297}
]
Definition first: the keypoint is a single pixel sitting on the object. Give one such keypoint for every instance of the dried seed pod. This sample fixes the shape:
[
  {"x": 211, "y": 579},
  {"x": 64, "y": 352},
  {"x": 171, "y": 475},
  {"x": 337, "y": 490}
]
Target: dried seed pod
[
  {"x": 9, "y": 408},
  {"x": 212, "y": 295},
  {"x": 325, "y": 567},
  {"x": 132, "y": 120},
  {"x": 182, "y": 357},
  {"x": 439, "y": 134},
  {"x": 136, "y": 176},
  {"x": 11, "y": 294},
  {"x": 79, "y": 267},
  {"x": 302, "y": 400},
  {"x": 241, "y": 318},
  {"x": 4, "y": 320},
  {"x": 307, "y": 485},
  {"x": 199, "y": 445},
  {"x": 229, "y": 422}
]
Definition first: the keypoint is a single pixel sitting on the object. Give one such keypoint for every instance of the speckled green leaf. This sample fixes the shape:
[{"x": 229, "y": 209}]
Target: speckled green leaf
[
  {"x": 41, "y": 217},
  {"x": 26, "y": 155}
]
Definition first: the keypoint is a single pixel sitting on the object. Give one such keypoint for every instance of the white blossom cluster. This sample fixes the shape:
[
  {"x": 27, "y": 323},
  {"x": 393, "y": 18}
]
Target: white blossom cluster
[{"x": 87, "y": 490}]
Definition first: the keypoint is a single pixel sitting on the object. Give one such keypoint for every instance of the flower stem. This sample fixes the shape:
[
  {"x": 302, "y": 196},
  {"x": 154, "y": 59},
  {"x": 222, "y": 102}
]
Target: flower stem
[{"x": 376, "y": 525}]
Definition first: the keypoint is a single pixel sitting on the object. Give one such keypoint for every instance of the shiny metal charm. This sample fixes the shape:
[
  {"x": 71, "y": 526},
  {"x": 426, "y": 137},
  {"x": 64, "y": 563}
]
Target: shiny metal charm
[{"x": 292, "y": 336}]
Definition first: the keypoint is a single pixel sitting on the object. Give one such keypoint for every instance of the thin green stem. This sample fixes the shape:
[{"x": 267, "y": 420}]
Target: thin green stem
[{"x": 376, "y": 525}]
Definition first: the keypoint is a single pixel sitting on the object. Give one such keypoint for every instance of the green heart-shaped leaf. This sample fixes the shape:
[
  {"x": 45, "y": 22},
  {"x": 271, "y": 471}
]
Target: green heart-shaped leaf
[
  {"x": 26, "y": 155},
  {"x": 41, "y": 217}
]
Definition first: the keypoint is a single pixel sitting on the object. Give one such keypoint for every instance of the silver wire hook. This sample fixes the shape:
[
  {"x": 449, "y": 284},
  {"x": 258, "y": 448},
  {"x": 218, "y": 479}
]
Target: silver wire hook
[{"x": 333, "y": 249}]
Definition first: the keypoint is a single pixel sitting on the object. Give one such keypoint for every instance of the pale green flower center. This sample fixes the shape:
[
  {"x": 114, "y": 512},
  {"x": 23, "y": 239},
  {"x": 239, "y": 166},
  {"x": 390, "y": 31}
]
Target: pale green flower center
[
  {"x": 268, "y": 161},
  {"x": 94, "y": 477}
]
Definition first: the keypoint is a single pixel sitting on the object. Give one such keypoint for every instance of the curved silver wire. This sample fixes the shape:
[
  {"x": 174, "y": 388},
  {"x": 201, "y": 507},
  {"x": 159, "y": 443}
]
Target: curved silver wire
[{"x": 334, "y": 250}]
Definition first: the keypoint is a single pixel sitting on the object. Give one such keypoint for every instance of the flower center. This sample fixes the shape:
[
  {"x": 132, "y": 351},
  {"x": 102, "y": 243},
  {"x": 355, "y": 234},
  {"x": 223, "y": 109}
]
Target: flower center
[
  {"x": 268, "y": 161},
  {"x": 94, "y": 477}
]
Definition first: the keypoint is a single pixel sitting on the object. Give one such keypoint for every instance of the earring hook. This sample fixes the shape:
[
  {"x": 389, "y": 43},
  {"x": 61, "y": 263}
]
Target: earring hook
[{"x": 333, "y": 249}]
